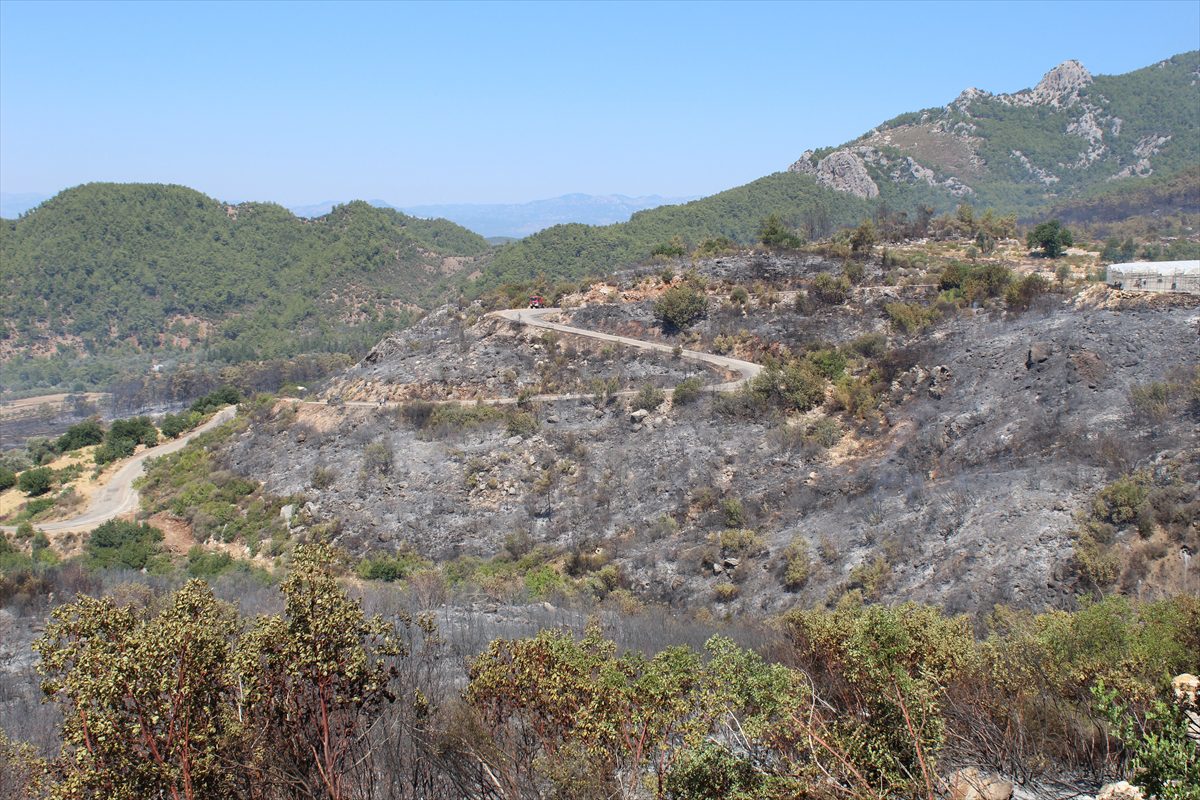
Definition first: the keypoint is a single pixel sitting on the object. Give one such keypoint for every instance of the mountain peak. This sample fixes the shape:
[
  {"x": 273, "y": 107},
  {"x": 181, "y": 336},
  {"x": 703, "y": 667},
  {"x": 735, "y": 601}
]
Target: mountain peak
[{"x": 1060, "y": 86}]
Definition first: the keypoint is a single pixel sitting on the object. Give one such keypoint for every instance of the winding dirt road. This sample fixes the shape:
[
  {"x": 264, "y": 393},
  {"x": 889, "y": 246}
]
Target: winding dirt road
[
  {"x": 118, "y": 496},
  {"x": 536, "y": 317}
]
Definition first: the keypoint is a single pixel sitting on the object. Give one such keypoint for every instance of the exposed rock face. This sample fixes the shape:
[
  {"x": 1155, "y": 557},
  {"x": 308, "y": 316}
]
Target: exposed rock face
[
  {"x": 1186, "y": 687},
  {"x": 969, "y": 96},
  {"x": 1146, "y": 147},
  {"x": 843, "y": 170},
  {"x": 847, "y": 170},
  {"x": 1042, "y": 175},
  {"x": 1060, "y": 86}
]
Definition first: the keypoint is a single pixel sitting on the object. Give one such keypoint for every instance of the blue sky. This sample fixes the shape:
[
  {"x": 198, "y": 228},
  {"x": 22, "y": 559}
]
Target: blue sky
[{"x": 499, "y": 102}]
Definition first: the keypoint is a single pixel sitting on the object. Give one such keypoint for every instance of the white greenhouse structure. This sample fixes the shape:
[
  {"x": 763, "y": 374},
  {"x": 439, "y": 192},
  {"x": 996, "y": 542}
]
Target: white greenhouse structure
[{"x": 1156, "y": 276}]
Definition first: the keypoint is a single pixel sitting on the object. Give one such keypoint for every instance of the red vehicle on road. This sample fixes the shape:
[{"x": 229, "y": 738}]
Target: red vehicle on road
[{"x": 537, "y": 301}]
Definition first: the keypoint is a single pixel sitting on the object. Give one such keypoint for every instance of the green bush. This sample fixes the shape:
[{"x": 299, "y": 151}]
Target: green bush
[
  {"x": 830, "y": 363},
  {"x": 454, "y": 416},
  {"x": 774, "y": 234},
  {"x": 830, "y": 290},
  {"x": 114, "y": 451},
  {"x": 1051, "y": 237},
  {"x": 1120, "y": 501},
  {"x": 649, "y": 398},
  {"x": 82, "y": 434},
  {"x": 8, "y": 478},
  {"x": 140, "y": 430},
  {"x": 1164, "y": 761},
  {"x": 174, "y": 425},
  {"x": 118, "y": 543},
  {"x": 733, "y": 512},
  {"x": 686, "y": 391},
  {"x": 35, "y": 482},
  {"x": 725, "y": 592},
  {"x": 680, "y": 306},
  {"x": 796, "y": 386},
  {"x": 739, "y": 541},
  {"x": 225, "y": 396},
  {"x": 712, "y": 772},
  {"x": 797, "y": 564},
  {"x": 544, "y": 582},
  {"x": 203, "y": 563},
  {"x": 714, "y": 246},
  {"x": 672, "y": 249},
  {"x": 395, "y": 567},
  {"x": 123, "y": 438},
  {"x": 910, "y": 317}
]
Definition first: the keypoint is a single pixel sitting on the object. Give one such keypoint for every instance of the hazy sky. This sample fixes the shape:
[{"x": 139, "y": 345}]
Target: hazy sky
[{"x": 498, "y": 102}]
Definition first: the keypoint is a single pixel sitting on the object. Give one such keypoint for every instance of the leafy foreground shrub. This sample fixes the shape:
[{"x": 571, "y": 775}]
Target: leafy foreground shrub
[
  {"x": 186, "y": 699},
  {"x": 193, "y": 700},
  {"x": 874, "y": 702}
]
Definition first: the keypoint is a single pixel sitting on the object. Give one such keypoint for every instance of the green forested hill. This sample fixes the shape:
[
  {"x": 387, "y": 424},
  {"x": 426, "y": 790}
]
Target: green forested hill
[
  {"x": 118, "y": 270},
  {"x": 573, "y": 251}
]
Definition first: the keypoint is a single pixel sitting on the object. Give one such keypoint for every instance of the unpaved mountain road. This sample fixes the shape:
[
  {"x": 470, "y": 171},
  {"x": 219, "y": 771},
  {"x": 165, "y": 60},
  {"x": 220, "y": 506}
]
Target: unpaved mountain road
[
  {"x": 118, "y": 496},
  {"x": 536, "y": 317}
]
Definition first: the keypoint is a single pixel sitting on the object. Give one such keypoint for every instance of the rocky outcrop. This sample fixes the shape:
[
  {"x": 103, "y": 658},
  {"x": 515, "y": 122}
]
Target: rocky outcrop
[
  {"x": 974, "y": 784},
  {"x": 1146, "y": 147},
  {"x": 847, "y": 170},
  {"x": 1185, "y": 688},
  {"x": 1042, "y": 175},
  {"x": 843, "y": 170},
  {"x": 1121, "y": 790},
  {"x": 1058, "y": 88}
]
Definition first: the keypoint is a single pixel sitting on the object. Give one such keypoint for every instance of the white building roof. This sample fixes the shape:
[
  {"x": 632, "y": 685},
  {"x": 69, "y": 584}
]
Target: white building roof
[{"x": 1159, "y": 267}]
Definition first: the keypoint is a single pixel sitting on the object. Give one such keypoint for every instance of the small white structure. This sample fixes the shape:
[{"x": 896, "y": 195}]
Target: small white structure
[{"x": 1156, "y": 276}]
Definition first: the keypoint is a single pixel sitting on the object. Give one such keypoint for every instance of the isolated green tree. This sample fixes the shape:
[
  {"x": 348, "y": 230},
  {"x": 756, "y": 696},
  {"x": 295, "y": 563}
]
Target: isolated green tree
[
  {"x": 774, "y": 234},
  {"x": 1051, "y": 237}
]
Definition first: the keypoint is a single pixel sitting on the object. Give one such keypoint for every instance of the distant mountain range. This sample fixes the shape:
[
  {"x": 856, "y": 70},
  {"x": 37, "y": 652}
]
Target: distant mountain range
[
  {"x": 522, "y": 219},
  {"x": 507, "y": 220},
  {"x": 517, "y": 220}
]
